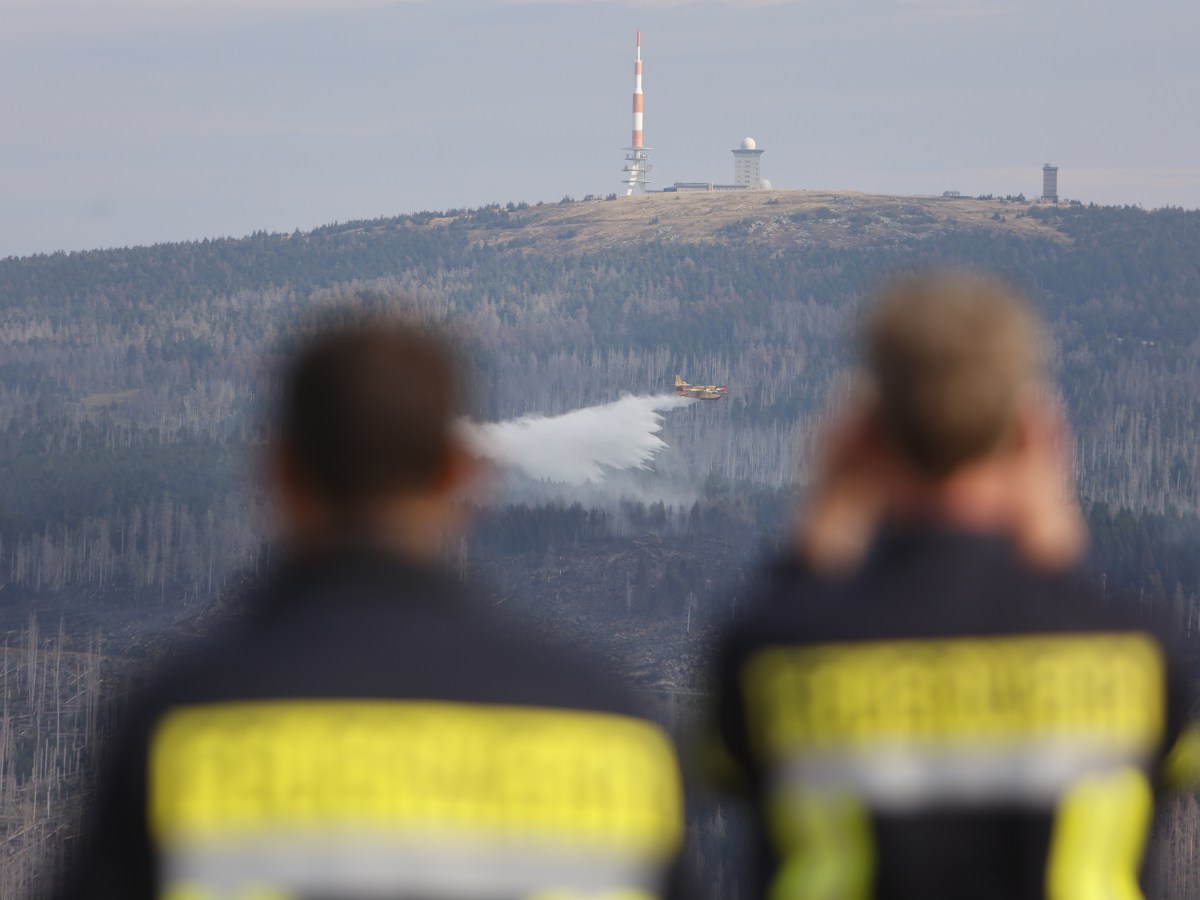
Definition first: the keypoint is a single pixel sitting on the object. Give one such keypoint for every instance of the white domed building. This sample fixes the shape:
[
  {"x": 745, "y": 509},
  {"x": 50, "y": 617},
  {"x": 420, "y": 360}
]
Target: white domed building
[{"x": 747, "y": 163}]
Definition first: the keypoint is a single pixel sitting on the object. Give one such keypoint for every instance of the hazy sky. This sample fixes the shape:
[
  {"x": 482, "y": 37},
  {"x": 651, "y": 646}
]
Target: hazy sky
[{"x": 140, "y": 121}]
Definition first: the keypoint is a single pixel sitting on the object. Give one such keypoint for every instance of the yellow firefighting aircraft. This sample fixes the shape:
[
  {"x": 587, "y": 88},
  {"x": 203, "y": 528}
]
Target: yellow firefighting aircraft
[{"x": 699, "y": 391}]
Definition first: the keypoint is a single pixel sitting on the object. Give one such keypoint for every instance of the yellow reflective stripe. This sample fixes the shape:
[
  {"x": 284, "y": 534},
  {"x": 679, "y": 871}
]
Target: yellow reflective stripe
[
  {"x": 825, "y": 846},
  {"x": 185, "y": 892},
  {"x": 1181, "y": 768},
  {"x": 1100, "y": 686},
  {"x": 411, "y": 767},
  {"x": 1100, "y": 832},
  {"x": 200, "y": 892}
]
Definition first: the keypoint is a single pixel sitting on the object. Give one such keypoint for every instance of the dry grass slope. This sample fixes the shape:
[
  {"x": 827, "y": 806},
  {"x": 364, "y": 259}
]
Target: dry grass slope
[{"x": 776, "y": 218}]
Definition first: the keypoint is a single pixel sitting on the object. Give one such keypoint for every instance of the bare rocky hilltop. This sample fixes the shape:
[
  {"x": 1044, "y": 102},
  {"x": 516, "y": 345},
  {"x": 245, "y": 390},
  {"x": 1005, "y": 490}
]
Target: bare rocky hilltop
[{"x": 774, "y": 217}]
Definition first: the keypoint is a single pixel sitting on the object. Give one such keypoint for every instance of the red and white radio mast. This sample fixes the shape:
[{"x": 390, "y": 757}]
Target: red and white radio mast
[{"x": 637, "y": 163}]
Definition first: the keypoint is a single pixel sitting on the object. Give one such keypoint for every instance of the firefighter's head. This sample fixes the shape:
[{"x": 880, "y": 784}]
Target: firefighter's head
[
  {"x": 953, "y": 361},
  {"x": 366, "y": 431},
  {"x": 958, "y": 424}
]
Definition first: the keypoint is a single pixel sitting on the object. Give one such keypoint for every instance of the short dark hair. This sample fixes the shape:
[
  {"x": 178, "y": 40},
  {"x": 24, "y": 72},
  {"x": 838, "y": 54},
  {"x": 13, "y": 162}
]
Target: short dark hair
[
  {"x": 951, "y": 356},
  {"x": 368, "y": 410}
]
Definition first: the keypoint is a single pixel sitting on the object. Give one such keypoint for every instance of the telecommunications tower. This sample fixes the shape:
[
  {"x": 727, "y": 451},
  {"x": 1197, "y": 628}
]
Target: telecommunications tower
[{"x": 637, "y": 163}]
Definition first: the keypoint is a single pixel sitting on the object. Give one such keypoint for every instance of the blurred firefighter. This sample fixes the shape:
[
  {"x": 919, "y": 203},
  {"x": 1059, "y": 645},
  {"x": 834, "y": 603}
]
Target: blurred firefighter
[
  {"x": 929, "y": 700},
  {"x": 375, "y": 733}
]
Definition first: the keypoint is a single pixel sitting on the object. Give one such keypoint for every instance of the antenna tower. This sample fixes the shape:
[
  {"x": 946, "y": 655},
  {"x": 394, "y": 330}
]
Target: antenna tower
[{"x": 637, "y": 162}]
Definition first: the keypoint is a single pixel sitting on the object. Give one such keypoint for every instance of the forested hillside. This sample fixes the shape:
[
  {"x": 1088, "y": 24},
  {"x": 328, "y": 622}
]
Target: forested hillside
[
  {"x": 131, "y": 381},
  {"x": 133, "y": 385}
]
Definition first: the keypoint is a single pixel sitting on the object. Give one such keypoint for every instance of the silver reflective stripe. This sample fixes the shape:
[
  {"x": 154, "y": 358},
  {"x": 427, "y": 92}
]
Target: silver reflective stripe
[
  {"x": 349, "y": 864},
  {"x": 904, "y": 775}
]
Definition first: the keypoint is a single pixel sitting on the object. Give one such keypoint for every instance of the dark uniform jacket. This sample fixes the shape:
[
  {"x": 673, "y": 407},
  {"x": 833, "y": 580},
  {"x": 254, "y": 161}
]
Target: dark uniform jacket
[
  {"x": 948, "y": 723},
  {"x": 373, "y": 736}
]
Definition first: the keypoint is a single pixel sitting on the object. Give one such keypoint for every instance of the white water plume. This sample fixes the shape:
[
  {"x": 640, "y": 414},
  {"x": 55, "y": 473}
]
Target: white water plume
[{"x": 581, "y": 446}]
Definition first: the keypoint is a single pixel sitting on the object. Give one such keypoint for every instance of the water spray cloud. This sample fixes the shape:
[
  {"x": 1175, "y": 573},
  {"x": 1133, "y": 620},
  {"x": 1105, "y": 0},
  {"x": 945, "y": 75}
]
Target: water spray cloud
[{"x": 580, "y": 446}]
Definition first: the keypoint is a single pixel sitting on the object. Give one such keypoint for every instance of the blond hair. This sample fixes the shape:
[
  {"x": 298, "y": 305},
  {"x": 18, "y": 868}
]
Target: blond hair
[{"x": 952, "y": 357}]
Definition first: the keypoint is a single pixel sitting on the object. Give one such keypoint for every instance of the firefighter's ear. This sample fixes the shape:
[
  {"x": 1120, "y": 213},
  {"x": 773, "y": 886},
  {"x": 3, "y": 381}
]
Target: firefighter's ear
[
  {"x": 464, "y": 471},
  {"x": 298, "y": 507}
]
